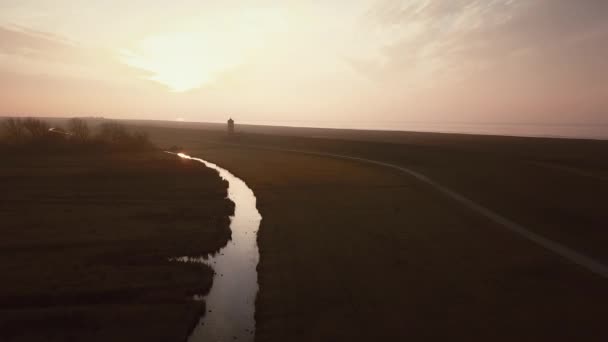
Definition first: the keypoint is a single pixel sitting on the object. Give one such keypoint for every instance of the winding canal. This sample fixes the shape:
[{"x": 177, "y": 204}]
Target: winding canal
[{"x": 231, "y": 300}]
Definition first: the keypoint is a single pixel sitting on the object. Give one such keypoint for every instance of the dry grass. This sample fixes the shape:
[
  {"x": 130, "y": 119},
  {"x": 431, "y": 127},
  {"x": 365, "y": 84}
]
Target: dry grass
[
  {"x": 86, "y": 241},
  {"x": 352, "y": 252}
]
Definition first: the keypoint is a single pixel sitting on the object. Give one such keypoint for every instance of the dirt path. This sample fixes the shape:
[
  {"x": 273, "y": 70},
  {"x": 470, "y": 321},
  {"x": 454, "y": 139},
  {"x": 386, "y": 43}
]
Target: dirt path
[
  {"x": 553, "y": 246},
  {"x": 353, "y": 251}
]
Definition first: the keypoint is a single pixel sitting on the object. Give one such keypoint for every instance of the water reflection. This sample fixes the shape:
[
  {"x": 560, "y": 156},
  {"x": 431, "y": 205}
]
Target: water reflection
[{"x": 231, "y": 301}]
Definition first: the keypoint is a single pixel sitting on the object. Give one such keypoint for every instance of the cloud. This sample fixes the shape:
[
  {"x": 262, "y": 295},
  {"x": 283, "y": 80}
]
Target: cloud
[
  {"x": 45, "y": 73},
  {"x": 25, "y": 42},
  {"x": 35, "y": 52},
  {"x": 465, "y": 35},
  {"x": 542, "y": 58}
]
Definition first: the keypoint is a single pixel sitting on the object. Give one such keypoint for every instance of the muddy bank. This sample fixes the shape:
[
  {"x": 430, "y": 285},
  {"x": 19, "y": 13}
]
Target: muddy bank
[{"x": 86, "y": 241}]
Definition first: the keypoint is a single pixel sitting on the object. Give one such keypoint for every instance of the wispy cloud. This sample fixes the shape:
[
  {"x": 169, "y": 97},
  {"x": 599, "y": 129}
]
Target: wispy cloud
[
  {"x": 37, "y": 52},
  {"x": 527, "y": 59},
  {"x": 468, "y": 35}
]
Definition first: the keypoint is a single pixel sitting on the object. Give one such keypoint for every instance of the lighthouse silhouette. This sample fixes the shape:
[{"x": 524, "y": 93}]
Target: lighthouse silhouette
[{"x": 230, "y": 126}]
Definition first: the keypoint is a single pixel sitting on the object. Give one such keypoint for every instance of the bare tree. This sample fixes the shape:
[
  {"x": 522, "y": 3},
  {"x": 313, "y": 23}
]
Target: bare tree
[
  {"x": 114, "y": 133},
  {"x": 36, "y": 128},
  {"x": 141, "y": 139},
  {"x": 79, "y": 129},
  {"x": 14, "y": 130}
]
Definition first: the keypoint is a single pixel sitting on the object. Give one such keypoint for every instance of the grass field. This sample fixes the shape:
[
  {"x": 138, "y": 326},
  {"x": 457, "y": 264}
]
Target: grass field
[
  {"x": 86, "y": 241},
  {"x": 348, "y": 251},
  {"x": 355, "y": 252}
]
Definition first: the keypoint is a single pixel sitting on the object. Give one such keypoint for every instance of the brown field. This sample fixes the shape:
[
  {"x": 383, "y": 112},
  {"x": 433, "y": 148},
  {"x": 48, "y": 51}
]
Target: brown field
[
  {"x": 348, "y": 251},
  {"x": 354, "y": 252},
  {"x": 86, "y": 241}
]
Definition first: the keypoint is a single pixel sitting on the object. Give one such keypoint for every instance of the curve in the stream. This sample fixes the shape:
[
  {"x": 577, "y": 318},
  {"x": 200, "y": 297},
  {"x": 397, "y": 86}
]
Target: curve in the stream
[{"x": 231, "y": 300}]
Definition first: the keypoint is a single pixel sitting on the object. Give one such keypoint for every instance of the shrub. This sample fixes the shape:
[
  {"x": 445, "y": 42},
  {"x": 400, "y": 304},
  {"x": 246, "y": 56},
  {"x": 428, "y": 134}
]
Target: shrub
[
  {"x": 13, "y": 130},
  {"x": 36, "y": 135},
  {"x": 36, "y": 128},
  {"x": 113, "y": 133},
  {"x": 117, "y": 136},
  {"x": 79, "y": 129}
]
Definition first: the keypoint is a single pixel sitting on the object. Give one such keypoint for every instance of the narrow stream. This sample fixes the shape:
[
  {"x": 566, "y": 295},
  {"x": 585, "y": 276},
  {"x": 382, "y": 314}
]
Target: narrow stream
[{"x": 231, "y": 301}]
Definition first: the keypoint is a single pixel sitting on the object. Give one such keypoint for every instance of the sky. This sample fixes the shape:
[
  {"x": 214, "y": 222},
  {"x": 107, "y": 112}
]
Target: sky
[{"x": 319, "y": 63}]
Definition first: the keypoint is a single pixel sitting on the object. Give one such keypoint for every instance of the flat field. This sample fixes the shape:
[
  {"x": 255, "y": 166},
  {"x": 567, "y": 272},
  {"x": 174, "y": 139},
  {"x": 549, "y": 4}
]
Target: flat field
[
  {"x": 356, "y": 252},
  {"x": 86, "y": 242}
]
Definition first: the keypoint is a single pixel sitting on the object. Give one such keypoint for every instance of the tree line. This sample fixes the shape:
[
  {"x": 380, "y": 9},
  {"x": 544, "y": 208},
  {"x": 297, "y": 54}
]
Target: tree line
[{"x": 34, "y": 133}]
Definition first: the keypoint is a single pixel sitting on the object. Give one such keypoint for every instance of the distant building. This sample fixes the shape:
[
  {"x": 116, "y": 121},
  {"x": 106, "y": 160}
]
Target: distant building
[{"x": 230, "y": 126}]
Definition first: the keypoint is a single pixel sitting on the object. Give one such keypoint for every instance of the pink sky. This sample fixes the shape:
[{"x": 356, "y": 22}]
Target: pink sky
[{"x": 345, "y": 62}]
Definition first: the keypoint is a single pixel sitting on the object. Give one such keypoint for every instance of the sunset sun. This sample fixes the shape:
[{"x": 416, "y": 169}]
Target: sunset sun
[
  {"x": 183, "y": 61},
  {"x": 198, "y": 55}
]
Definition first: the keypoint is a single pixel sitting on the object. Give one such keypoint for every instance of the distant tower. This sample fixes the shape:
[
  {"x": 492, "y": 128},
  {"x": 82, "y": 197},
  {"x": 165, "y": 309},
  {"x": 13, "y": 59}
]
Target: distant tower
[{"x": 230, "y": 126}]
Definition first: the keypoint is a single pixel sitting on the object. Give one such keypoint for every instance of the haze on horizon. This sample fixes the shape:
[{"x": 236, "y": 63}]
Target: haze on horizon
[{"x": 362, "y": 61}]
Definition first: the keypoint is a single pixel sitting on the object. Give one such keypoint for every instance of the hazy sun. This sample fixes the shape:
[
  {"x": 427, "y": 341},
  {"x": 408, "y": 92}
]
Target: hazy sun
[
  {"x": 183, "y": 61},
  {"x": 195, "y": 57}
]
